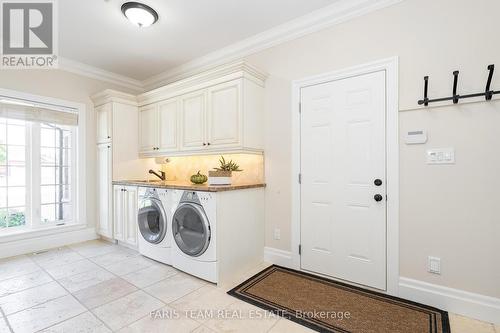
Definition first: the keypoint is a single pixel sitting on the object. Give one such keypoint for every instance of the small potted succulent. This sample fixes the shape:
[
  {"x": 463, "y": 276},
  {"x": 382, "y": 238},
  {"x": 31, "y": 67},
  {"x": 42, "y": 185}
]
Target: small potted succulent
[{"x": 222, "y": 174}]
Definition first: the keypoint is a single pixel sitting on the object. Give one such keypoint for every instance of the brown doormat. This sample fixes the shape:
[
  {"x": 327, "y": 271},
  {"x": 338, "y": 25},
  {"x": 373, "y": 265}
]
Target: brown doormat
[{"x": 329, "y": 306}]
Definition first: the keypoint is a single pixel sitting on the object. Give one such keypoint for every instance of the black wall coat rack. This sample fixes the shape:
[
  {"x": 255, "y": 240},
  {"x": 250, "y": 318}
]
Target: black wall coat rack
[{"x": 488, "y": 93}]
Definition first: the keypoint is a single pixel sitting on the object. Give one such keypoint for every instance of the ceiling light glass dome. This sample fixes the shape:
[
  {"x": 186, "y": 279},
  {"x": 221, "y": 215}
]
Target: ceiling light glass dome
[{"x": 139, "y": 14}]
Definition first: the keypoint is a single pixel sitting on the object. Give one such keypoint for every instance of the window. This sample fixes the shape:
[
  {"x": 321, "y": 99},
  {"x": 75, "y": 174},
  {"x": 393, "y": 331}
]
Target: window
[
  {"x": 37, "y": 168},
  {"x": 12, "y": 173},
  {"x": 55, "y": 170}
]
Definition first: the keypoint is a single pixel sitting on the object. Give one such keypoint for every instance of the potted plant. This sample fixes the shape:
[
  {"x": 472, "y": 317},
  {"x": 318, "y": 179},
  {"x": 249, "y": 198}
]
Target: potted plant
[{"x": 222, "y": 174}]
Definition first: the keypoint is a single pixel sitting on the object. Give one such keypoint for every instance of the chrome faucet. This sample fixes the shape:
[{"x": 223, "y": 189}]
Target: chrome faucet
[{"x": 162, "y": 174}]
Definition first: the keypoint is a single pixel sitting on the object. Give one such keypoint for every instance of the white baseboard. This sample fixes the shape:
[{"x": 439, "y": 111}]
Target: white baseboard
[
  {"x": 278, "y": 257},
  {"x": 461, "y": 302},
  {"x": 457, "y": 301},
  {"x": 38, "y": 243}
]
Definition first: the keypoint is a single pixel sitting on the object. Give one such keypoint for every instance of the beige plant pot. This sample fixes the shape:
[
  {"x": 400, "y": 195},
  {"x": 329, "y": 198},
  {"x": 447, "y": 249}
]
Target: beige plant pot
[{"x": 220, "y": 177}]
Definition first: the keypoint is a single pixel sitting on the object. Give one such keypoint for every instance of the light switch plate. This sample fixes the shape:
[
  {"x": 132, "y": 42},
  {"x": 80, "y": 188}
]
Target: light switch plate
[
  {"x": 441, "y": 156},
  {"x": 434, "y": 265}
]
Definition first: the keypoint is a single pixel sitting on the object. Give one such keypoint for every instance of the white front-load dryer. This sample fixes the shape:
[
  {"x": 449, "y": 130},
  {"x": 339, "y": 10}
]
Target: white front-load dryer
[
  {"x": 194, "y": 234},
  {"x": 154, "y": 216}
]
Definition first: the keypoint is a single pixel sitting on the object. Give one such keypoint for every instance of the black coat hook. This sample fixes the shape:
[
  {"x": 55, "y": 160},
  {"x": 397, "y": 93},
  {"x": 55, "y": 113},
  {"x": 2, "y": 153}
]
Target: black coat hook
[
  {"x": 455, "y": 84},
  {"x": 488, "y": 93}
]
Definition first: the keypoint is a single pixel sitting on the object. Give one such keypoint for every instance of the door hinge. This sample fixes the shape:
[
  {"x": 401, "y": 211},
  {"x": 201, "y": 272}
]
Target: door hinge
[
  {"x": 300, "y": 178},
  {"x": 300, "y": 249}
]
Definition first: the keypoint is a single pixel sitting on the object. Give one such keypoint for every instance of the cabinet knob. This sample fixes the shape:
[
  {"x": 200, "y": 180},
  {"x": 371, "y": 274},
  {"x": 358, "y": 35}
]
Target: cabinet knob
[
  {"x": 208, "y": 144},
  {"x": 378, "y": 197},
  {"x": 204, "y": 144}
]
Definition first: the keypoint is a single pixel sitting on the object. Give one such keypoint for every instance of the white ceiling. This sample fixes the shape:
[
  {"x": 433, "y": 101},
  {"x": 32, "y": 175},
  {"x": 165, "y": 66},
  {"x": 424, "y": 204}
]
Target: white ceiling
[{"x": 94, "y": 32}]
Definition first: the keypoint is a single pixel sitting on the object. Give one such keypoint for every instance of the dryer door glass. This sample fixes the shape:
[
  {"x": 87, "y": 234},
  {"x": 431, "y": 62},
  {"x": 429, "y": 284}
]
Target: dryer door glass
[
  {"x": 152, "y": 220},
  {"x": 191, "y": 229}
]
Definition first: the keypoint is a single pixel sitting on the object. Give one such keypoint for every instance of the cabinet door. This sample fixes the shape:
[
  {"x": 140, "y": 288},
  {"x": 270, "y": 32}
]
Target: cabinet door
[
  {"x": 130, "y": 204},
  {"x": 104, "y": 162},
  {"x": 118, "y": 213},
  {"x": 148, "y": 129},
  {"x": 104, "y": 123},
  {"x": 193, "y": 121},
  {"x": 168, "y": 124},
  {"x": 224, "y": 123}
]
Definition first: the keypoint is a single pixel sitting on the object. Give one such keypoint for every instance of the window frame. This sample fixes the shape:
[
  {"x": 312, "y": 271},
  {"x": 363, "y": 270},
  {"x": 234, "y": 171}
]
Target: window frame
[{"x": 79, "y": 211}]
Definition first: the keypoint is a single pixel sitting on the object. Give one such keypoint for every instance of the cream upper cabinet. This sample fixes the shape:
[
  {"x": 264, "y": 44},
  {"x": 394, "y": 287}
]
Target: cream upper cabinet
[
  {"x": 148, "y": 129},
  {"x": 216, "y": 112},
  {"x": 224, "y": 122},
  {"x": 168, "y": 122},
  {"x": 104, "y": 123},
  {"x": 193, "y": 121},
  {"x": 158, "y": 128}
]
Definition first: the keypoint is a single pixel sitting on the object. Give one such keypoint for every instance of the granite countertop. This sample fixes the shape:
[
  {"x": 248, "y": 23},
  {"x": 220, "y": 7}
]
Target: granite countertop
[{"x": 183, "y": 185}]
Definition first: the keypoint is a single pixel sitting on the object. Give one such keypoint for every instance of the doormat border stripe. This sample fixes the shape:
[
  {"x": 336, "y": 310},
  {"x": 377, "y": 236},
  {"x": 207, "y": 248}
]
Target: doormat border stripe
[{"x": 239, "y": 293}]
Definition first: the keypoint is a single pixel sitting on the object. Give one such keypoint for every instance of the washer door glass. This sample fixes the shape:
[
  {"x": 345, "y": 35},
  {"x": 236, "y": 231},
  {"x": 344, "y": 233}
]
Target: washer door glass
[
  {"x": 191, "y": 229},
  {"x": 152, "y": 220}
]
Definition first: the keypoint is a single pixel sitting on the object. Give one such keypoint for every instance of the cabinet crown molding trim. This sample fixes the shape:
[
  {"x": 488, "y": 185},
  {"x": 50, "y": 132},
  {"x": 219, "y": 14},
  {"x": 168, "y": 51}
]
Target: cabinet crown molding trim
[
  {"x": 219, "y": 74},
  {"x": 110, "y": 95},
  {"x": 323, "y": 18}
]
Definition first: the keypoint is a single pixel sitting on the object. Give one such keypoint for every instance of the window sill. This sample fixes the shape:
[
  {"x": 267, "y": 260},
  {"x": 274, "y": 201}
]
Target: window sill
[{"x": 16, "y": 235}]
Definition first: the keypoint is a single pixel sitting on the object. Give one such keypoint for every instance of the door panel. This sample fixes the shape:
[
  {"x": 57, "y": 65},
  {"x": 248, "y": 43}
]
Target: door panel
[
  {"x": 119, "y": 213},
  {"x": 130, "y": 207},
  {"x": 193, "y": 121},
  {"x": 148, "y": 129},
  {"x": 343, "y": 229},
  {"x": 104, "y": 123},
  {"x": 104, "y": 162},
  {"x": 168, "y": 134},
  {"x": 224, "y": 115}
]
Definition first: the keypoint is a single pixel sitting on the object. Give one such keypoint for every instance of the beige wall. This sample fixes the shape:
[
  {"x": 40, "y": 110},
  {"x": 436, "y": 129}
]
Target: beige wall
[
  {"x": 446, "y": 211},
  {"x": 70, "y": 87}
]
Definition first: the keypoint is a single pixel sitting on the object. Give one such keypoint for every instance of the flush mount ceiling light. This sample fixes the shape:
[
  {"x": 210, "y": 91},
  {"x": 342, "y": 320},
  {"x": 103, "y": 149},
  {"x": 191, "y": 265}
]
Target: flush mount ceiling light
[{"x": 139, "y": 14}]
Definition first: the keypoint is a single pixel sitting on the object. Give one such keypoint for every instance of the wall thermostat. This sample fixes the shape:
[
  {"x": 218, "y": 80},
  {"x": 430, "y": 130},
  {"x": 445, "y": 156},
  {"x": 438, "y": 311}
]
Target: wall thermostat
[{"x": 416, "y": 137}]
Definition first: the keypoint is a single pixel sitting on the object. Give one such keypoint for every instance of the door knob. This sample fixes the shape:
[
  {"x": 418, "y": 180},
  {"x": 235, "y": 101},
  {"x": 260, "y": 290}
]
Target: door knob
[
  {"x": 377, "y": 182},
  {"x": 378, "y": 197}
]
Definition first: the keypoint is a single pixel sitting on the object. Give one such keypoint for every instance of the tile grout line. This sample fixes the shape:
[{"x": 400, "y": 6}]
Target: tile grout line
[
  {"x": 76, "y": 299},
  {"x": 5, "y": 318}
]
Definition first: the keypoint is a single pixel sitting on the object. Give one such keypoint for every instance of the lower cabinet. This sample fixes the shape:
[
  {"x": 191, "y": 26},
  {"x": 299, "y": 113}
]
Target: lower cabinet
[{"x": 125, "y": 214}]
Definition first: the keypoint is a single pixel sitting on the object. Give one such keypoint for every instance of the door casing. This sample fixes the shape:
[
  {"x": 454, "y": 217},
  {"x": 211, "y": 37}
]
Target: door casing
[{"x": 390, "y": 66}]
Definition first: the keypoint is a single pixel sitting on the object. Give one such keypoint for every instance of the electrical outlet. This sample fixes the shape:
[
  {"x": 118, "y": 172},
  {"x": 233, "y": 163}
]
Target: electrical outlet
[
  {"x": 434, "y": 265},
  {"x": 277, "y": 234}
]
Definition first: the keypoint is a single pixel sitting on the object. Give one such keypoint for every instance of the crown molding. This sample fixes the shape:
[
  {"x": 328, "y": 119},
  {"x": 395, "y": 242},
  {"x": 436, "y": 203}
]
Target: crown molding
[
  {"x": 223, "y": 73},
  {"x": 110, "y": 95},
  {"x": 79, "y": 68},
  {"x": 323, "y": 18},
  {"x": 338, "y": 12}
]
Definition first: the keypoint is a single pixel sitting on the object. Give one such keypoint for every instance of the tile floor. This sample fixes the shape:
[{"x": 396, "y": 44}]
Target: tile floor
[{"x": 100, "y": 287}]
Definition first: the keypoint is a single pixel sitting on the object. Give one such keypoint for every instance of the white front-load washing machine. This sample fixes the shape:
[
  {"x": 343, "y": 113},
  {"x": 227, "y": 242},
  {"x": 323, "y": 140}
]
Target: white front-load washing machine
[
  {"x": 153, "y": 219},
  {"x": 194, "y": 234}
]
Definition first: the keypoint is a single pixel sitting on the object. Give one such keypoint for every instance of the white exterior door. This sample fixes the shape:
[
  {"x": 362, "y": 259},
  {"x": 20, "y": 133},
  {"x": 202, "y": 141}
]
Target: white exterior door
[
  {"x": 168, "y": 124},
  {"x": 148, "y": 129},
  {"x": 224, "y": 115},
  {"x": 343, "y": 187},
  {"x": 193, "y": 121},
  {"x": 104, "y": 162}
]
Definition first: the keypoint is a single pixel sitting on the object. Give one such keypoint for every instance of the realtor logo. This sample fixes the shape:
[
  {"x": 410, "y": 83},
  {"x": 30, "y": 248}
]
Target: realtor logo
[{"x": 28, "y": 34}]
